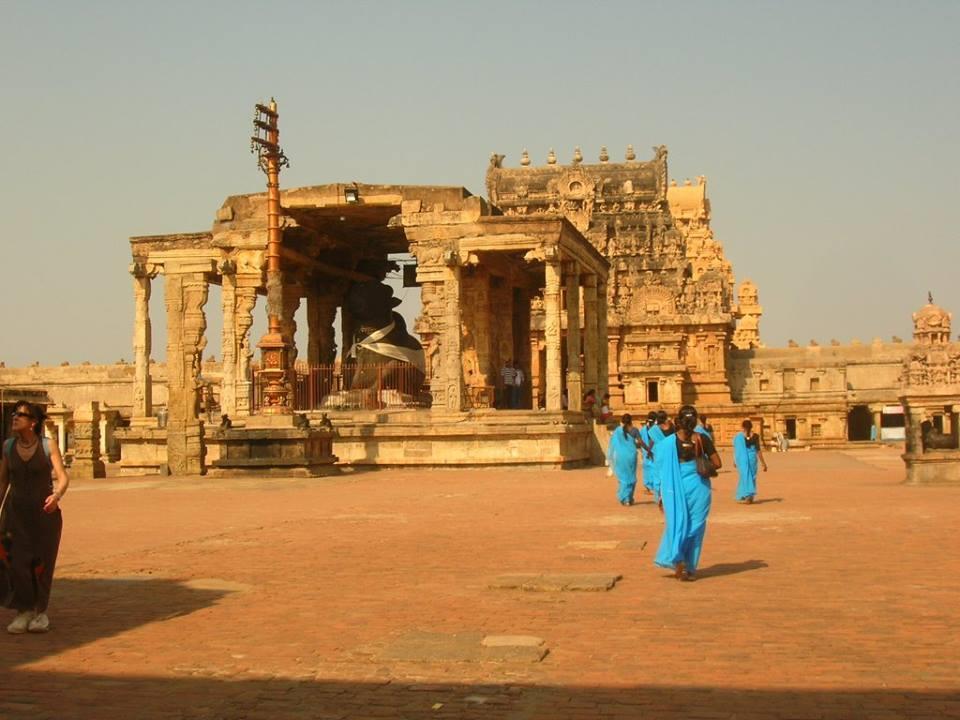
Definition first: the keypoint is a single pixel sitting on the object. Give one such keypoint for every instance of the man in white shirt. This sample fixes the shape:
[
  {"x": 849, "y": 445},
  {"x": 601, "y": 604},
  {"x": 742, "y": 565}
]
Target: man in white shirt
[
  {"x": 517, "y": 389},
  {"x": 507, "y": 377}
]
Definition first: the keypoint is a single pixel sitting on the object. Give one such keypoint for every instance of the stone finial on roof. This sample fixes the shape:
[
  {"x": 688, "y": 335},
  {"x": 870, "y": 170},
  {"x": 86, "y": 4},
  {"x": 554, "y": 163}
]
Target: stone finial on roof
[
  {"x": 524, "y": 158},
  {"x": 792, "y": 343},
  {"x": 604, "y": 155},
  {"x": 687, "y": 183},
  {"x": 835, "y": 343},
  {"x": 631, "y": 155},
  {"x": 577, "y": 156},
  {"x": 551, "y": 157}
]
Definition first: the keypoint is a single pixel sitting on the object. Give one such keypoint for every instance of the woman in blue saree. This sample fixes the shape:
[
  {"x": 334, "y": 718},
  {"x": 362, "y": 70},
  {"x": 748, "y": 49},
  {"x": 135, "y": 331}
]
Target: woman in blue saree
[
  {"x": 685, "y": 495},
  {"x": 622, "y": 459},
  {"x": 646, "y": 450},
  {"x": 659, "y": 431},
  {"x": 746, "y": 455}
]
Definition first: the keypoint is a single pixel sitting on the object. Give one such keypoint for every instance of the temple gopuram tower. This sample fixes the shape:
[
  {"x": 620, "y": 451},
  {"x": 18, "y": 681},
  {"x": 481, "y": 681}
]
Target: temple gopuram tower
[{"x": 672, "y": 313}]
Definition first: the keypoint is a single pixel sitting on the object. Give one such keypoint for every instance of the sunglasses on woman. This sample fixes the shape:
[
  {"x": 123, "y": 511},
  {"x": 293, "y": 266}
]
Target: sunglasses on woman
[{"x": 20, "y": 414}]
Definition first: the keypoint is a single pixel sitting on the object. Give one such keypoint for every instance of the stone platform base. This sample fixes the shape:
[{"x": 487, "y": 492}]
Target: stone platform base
[
  {"x": 478, "y": 438},
  {"x": 937, "y": 467},
  {"x": 143, "y": 450},
  {"x": 272, "y": 447}
]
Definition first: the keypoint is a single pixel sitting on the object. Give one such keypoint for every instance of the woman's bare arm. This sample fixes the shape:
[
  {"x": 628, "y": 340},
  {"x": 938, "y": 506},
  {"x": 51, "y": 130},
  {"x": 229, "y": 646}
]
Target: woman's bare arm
[{"x": 62, "y": 483}]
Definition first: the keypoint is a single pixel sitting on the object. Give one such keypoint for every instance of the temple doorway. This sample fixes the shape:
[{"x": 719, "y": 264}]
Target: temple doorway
[{"x": 859, "y": 422}]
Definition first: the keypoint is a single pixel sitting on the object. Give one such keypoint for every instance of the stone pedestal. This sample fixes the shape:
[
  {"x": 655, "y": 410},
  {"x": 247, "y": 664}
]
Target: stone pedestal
[
  {"x": 143, "y": 449},
  {"x": 87, "y": 464},
  {"x": 273, "y": 445},
  {"x": 934, "y": 467}
]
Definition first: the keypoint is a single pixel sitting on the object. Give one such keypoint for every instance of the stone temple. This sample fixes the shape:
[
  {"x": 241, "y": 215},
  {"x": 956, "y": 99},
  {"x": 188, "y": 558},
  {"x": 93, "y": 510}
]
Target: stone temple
[{"x": 602, "y": 276}]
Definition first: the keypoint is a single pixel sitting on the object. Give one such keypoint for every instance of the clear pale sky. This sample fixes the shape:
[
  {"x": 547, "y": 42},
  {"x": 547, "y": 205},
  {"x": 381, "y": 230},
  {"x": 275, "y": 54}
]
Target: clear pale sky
[{"x": 828, "y": 132}]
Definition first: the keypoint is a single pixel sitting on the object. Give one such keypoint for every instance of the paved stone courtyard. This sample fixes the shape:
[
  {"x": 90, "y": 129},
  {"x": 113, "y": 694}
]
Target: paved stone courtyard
[{"x": 382, "y": 595}]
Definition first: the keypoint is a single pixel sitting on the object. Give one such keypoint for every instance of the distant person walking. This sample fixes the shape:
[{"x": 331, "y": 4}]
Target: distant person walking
[
  {"x": 686, "y": 495},
  {"x": 659, "y": 431},
  {"x": 30, "y": 522},
  {"x": 646, "y": 450},
  {"x": 622, "y": 459},
  {"x": 507, "y": 377},
  {"x": 516, "y": 390},
  {"x": 746, "y": 455}
]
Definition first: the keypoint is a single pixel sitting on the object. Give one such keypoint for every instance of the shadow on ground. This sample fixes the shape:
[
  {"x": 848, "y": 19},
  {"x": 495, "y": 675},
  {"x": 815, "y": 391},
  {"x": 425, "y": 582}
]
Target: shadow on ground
[
  {"x": 722, "y": 569},
  {"x": 132, "y": 602},
  {"x": 278, "y": 699}
]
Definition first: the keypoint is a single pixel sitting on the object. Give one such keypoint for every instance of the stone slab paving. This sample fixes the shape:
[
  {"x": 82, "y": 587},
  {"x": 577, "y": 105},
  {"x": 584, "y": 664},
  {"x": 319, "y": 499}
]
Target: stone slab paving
[{"x": 834, "y": 597}]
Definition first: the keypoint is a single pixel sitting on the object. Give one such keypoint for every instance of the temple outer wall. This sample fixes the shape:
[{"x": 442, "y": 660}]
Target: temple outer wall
[{"x": 72, "y": 385}]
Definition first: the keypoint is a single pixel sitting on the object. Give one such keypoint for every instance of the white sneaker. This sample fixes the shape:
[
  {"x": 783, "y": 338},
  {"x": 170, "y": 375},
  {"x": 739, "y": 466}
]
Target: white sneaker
[
  {"x": 20, "y": 622},
  {"x": 39, "y": 624}
]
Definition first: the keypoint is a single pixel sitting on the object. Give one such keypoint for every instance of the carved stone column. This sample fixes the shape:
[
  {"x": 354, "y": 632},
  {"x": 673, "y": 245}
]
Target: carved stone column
[
  {"x": 288, "y": 323},
  {"x": 87, "y": 464},
  {"x": 228, "y": 349},
  {"x": 246, "y": 300},
  {"x": 452, "y": 342},
  {"x": 551, "y": 329},
  {"x": 603, "y": 356},
  {"x": 186, "y": 294},
  {"x": 143, "y": 274},
  {"x": 321, "y": 340},
  {"x": 591, "y": 342},
  {"x": 574, "y": 374}
]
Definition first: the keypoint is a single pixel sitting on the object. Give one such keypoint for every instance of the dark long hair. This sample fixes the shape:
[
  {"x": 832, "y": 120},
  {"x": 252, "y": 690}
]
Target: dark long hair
[
  {"x": 627, "y": 419},
  {"x": 687, "y": 418},
  {"x": 37, "y": 412}
]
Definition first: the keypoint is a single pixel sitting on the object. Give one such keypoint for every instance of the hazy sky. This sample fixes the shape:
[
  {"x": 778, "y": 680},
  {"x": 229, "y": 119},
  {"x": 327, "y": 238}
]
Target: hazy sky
[{"x": 828, "y": 132}]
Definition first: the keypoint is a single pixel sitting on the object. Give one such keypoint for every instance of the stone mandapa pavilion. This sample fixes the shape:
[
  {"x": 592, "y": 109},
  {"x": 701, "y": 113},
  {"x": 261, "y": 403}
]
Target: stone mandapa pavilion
[{"x": 481, "y": 275}]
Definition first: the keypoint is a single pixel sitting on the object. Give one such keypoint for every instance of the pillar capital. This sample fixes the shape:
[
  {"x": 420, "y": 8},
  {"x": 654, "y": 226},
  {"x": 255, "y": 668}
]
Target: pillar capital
[{"x": 144, "y": 270}]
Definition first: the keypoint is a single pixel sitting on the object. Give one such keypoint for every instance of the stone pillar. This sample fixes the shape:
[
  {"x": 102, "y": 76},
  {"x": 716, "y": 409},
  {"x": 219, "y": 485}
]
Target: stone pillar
[
  {"x": 452, "y": 342},
  {"x": 877, "y": 412},
  {"x": 603, "y": 357},
  {"x": 591, "y": 341},
  {"x": 346, "y": 333},
  {"x": 186, "y": 294},
  {"x": 61, "y": 425},
  {"x": 321, "y": 340},
  {"x": 914, "y": 434},
  {"x": 292, "y": 295},
  {"x": 536, "y": 373},
  {"x": 87, "y": 464},
  {"x": 228, "y": 339},
  {"x": 551, "y": 330},
  {"x": 246, "y": 300},
  {"x": 574, "y": 374},
  {"x": 142, "y": 340}
]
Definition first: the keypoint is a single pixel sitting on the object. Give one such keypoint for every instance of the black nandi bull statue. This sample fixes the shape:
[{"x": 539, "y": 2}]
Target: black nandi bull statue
[{"x": 386, "y": 354}]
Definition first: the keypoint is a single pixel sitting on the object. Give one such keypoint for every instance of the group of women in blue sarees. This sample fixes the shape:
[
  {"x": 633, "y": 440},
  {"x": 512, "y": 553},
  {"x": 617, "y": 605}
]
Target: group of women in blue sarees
[
  {"x": 747, "y": 454},
  {"x": 669, "y": 453}
]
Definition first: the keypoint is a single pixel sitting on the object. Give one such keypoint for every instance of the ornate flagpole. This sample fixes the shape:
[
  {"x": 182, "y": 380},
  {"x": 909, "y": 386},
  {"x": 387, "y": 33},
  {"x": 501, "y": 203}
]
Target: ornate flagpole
[{"x": 275, "y": 348}]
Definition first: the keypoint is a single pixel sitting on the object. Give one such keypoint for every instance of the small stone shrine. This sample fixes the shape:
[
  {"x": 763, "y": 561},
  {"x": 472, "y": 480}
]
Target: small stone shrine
[{"x": 931, "y": 399}]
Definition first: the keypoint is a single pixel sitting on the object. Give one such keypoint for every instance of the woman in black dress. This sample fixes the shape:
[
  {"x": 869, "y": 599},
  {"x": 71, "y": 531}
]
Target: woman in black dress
[{"x": 31, "y": 522}]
